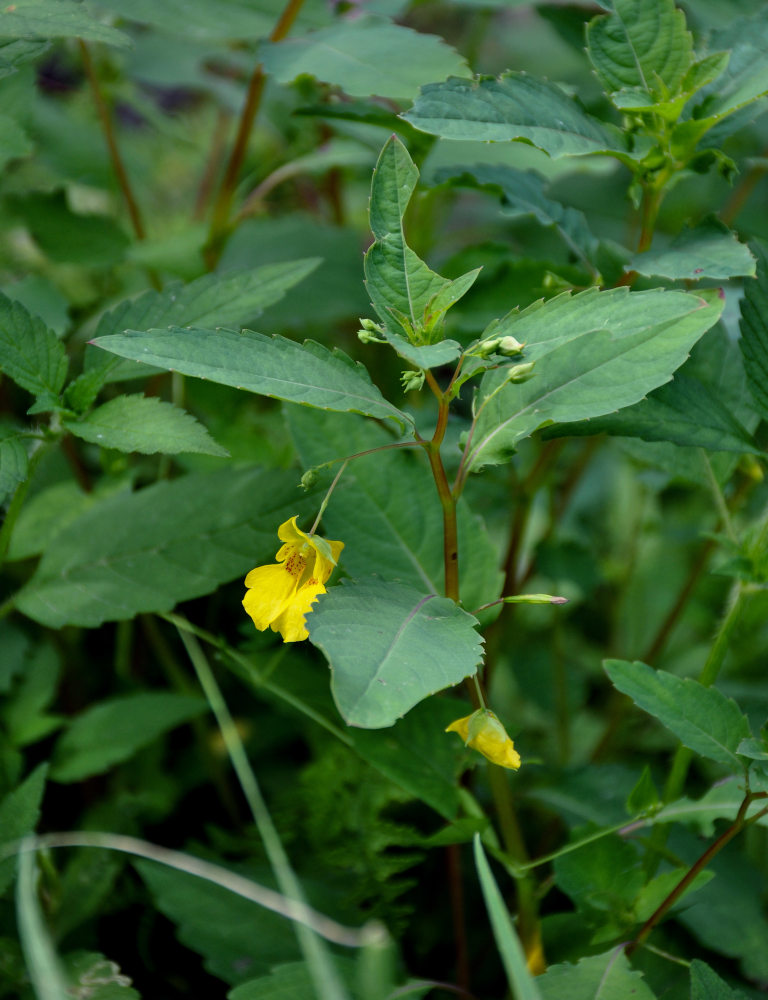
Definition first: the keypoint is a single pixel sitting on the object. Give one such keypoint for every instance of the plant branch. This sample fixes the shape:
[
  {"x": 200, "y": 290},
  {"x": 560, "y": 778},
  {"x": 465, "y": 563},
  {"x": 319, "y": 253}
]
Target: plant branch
[
  {"x": 223, "y": 204},
  {"x": 109, "y": 134},
  {"x": 736, "y": 827}
]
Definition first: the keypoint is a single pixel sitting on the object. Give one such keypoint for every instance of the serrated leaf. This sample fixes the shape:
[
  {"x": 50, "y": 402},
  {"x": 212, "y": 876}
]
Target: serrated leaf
[
  {"x": 146, "y": 551},
  {"x": 14, "y": 463},
  {"x": 114, "y": 730},
  {"x": 707, "y": 985},
  {"x": 399, "y": 283},
  {"x": 709, "y": 250},
  {"x": 144, "y": 424},
  {"x": 30, "y": 19},
  {"x": 640, "y": 44},
  {"x": 522, "y": 984},
  {"x": 701, "y": 717},
  {"x": 686, "y": 411},
  {"x": 745, "y": 78},
  {"x": 653, "y": 894},
  {"x": 289, "y": 981},
  {"x": 232, "y": 299},
  {"x": 595, "y": 352},
  {"x": 15, "y": 52},
  {"x": 30, "y": 353},
  {"x": 754, "y": 330},
  {"x": 272, "y": 366},
  {"x": 415, "y": 754},
  {"x": 513, "y": 107},
  {"x": 599, "y": 977},
  {"x": 604, "y": 875},
  {"x": 722, "y": 801},
  {"x": 523, "y": 193},
  {"x": 19, "y": 813},
  {"x": 384, "y": 508},
  {"x": 390, "y": 646},
  {"x": 237, "y": 939},
  {"x": 356, "y": 55}
]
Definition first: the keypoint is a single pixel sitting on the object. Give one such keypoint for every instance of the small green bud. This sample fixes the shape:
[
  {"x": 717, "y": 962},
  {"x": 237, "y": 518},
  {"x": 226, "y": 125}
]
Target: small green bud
[
  {"x": 412, "y": 380},
  {"x": 510, "y": 346},
  {"x": 521, "y": 373},
  {"x": 370, "y": 332},
  {"x": 309, "y": 479}
]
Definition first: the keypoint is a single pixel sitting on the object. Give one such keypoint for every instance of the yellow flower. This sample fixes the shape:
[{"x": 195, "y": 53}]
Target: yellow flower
[
  {"x": 483, "y": 732},
  {"x": 280, "y": 596}
]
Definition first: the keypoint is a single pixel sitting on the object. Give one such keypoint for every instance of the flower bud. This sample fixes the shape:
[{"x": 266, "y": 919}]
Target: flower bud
[
  {"x": 521, "y": 373},
  {"x": 483, "y": 732},
  {"x": 412, "y": 380}
]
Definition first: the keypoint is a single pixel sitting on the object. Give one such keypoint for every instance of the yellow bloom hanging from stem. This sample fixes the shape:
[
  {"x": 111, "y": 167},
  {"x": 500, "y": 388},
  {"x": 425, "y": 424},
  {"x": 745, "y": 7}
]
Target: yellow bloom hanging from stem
[
  {"x": 483, "y": 732},
  {"x": 280, "y": 596}
]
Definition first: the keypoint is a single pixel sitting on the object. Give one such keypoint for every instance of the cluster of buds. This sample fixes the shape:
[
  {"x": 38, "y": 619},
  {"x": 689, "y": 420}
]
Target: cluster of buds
[{"x": 508, "y": 346}]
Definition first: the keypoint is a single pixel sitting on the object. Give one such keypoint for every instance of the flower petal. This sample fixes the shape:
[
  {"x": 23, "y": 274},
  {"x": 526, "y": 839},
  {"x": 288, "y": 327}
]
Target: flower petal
[
  {"x": 290, "y": 623},
  {"x": 269, "y": 590}
]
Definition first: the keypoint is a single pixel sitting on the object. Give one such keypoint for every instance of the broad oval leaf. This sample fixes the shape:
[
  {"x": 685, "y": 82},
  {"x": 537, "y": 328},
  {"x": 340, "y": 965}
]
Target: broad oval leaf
[
  {"x": 709, "y": 250},
  {"x": 272, "y": 366},
  {"x": 390, "y": 646}
]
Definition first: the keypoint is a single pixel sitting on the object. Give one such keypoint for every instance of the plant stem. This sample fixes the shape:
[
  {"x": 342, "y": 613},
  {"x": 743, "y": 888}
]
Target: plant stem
[
  {"x": 736, "y": 827},
  {"x": 527, "y": 905},
  {"x": 223, "y": 204}
]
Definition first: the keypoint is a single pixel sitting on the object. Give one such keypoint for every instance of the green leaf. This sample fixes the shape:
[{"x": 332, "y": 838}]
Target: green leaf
[
  {"x": 29, "y": 19},
  {"x": 384, "y": 508},
  {"x": 709, "y": 250},
  {"x": 44, "y": 515},
  {"x": 644, "y": 796},
  {"x": 754, "y": 331},
  {"x": 169, "y": 542},
  {"x": 521, "y": 983},
  {"x": 236, "y": 20},
  {"x": 429, "y": 356},
  {"x": 514, "y": 106},
  {"x": 14, "y": 463},
  {"x": 69, "y": 237},
  {"x": 522, "y": 194},
  {"x": 24, "y": 713},
  {"x": 144, "y": 424},
  {"x": 390, "y": 646},
  {"x": 357, "y": 55},
  {"x": 599, "y": 977},
  {"x": 401, "y": 286},
  {"x": 289, "y": 981},
  {"x": 114, "y": 730},
  {"x": 232, "y": 299},
  {"x": 701, "y": 717},
  {"x": 272, "y": 366},
  {"x": 745, "y": 78},
  {"x": 416, "y": 755},
  {"x": 30, "y": 353},
  {"x": 604, "y": 875},
  {"x": 652, "y": 895},
  {"x": 707, "y": 985},
  {"x": 14, "y": 141},
  {"x": 642, "y": 43},
  {"x": 19, "y": 813},
  {"x": 595, "y": 352},
  {"x": 14, "y": 52},
  {"x": 237, "y": 939},
  {"x": 686, "y": 411}
]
